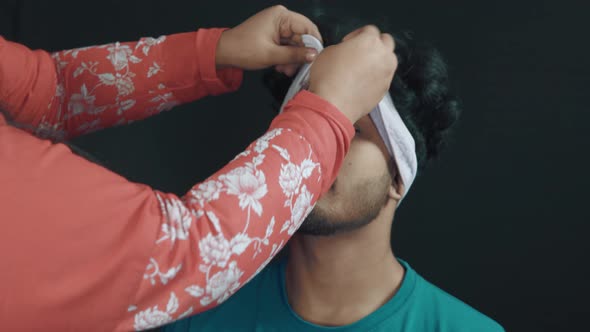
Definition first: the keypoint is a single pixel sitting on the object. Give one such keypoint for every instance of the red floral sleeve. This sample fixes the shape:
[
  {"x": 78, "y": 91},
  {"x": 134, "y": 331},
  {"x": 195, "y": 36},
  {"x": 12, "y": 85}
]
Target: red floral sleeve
[
  {"x": 73, "y": 92},
  {"x": 84, "y": 249}
]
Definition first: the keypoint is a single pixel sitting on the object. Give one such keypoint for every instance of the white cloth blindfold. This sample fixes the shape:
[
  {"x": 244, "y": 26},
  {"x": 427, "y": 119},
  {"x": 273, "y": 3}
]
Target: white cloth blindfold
[{"x": 394, "y": 133}]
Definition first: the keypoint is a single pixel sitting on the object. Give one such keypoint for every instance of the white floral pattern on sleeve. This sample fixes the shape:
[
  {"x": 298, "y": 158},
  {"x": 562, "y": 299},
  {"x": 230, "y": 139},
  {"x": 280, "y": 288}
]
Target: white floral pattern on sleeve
[
  {"x": 125, "y": 61},
  {"x": 107, "y": 85},
  {"x": 206, "y": 262}
]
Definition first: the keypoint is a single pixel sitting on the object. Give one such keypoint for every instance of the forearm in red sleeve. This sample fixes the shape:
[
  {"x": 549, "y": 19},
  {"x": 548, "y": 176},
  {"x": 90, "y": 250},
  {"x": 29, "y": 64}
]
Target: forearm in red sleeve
[
  {"x": 88, "y": 249},
  {"x": 237, "y": 220},
  {"x": 73, "y": 92}
]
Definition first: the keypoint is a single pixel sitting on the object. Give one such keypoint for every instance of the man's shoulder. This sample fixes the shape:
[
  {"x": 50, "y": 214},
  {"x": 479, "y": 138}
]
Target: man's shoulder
[{"x": 451, "y": 312}]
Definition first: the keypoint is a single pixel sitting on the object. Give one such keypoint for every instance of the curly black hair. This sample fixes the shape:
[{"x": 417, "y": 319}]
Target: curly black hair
[{"x": 420, "y": 88}]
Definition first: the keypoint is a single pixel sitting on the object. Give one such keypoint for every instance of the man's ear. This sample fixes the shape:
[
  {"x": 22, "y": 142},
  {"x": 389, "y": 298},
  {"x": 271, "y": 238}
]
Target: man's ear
[{"x": 397, "y": 188}]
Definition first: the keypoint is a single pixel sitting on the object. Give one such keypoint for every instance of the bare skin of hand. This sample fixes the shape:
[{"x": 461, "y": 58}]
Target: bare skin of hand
[{"x": 271, "y": 37}]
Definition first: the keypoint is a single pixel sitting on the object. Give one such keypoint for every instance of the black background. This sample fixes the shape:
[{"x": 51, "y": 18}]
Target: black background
[{"x": 500, "y": 221}]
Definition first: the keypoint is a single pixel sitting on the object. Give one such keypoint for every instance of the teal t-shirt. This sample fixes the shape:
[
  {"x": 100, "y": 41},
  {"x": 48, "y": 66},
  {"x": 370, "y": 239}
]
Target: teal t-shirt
[{"x": 262, "y": 305}]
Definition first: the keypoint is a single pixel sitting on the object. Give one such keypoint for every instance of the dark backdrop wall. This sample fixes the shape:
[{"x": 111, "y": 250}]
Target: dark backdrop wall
[{"x": 500, "y": 221}]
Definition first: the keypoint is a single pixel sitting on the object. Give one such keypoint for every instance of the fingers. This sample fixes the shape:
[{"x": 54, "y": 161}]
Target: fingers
[
  {"x": 293, "y": 52},
  {"x": 288, "y": 70},
  {"x": 297, "y": 40},
  {"x": 293, "y": 41},
  {"x": 388, "y": 40},
  {"x": 369, "y": 29},
  {"x": 292, "y": 24},
  {"x": 280, "y": 68},
  {"x": 352, "y": 34}
]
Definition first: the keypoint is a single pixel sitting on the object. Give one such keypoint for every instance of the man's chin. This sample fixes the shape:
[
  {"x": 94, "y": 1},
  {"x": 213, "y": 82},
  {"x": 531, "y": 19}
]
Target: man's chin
[
  {"x": 317, "y": 223},
  {"x": 327, "y": 220},
  {"x": 315, "y": 231},
  {"x": 324, "y": 227}
]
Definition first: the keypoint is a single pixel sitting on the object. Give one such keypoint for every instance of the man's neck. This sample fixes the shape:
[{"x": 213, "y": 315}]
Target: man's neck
[{"x": 338, "y": 280}]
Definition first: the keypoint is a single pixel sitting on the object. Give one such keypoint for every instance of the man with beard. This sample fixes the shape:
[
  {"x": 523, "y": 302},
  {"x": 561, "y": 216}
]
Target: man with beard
[{"x": 339, "y": 272}]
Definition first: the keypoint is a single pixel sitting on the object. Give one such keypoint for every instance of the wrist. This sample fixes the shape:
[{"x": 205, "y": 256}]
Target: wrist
[
  {"x": 335, "y": 101},
  {"x": 222, "y": 59}
]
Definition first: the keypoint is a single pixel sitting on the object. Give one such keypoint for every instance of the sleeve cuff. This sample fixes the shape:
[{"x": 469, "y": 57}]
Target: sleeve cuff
[
  {"x": 215, "y": 81},
  {"x": 313, "y": 101}
]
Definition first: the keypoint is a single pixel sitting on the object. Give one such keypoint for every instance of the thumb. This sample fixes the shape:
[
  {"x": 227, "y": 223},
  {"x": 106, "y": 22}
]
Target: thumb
[{"x": 284, "y": 55}]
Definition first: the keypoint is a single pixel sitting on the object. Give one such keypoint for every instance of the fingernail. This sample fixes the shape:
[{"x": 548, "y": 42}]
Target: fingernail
[{"x": 310, "y": 56}]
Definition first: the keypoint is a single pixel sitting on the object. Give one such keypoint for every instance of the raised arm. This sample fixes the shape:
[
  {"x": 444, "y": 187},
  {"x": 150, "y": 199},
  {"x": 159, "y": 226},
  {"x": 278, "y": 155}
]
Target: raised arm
[{"x": 73, "y": 92}]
